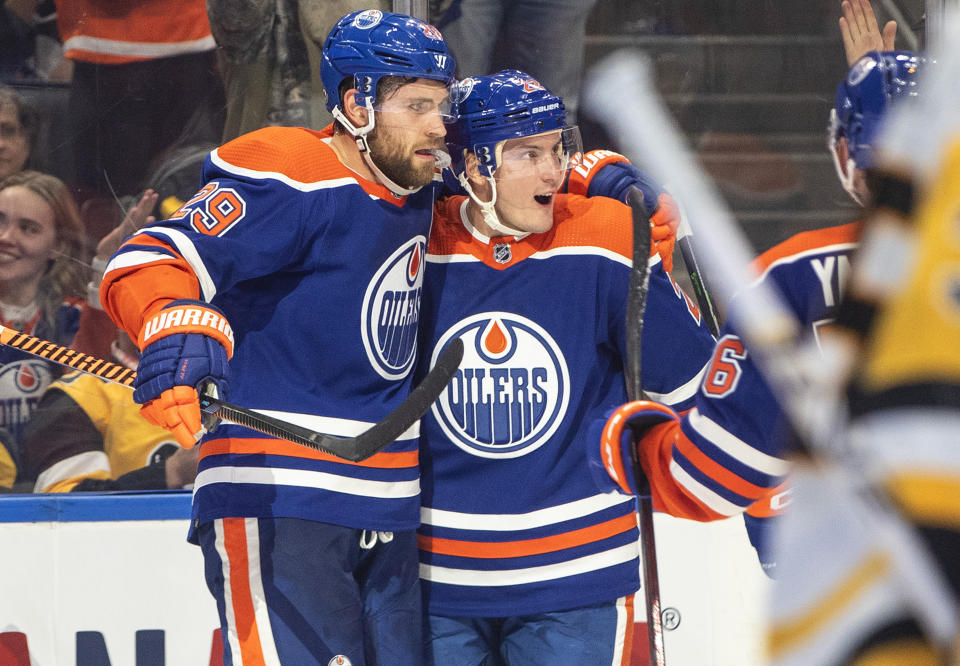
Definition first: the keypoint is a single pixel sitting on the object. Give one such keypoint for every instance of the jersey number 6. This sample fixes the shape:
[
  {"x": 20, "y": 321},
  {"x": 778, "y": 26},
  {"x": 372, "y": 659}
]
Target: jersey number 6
[{"x": 724, "y": 372}]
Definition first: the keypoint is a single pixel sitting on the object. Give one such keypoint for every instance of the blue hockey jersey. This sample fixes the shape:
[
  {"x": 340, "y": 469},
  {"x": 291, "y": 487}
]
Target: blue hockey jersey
[
  {"x": 513, "y": 522},
  {"x": 726, "y": 453},
  {"x": 319, "y": 273},
  {"x": 24, "y": 377}
]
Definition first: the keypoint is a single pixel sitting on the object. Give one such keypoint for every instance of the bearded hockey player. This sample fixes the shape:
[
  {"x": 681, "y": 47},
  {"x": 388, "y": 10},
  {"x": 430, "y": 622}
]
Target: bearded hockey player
[{"x": 293, "y": 279}]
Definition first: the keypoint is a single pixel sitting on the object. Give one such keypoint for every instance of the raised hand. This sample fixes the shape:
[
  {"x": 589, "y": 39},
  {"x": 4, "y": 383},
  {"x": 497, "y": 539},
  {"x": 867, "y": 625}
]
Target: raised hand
[{"x": 860, "y": 31}]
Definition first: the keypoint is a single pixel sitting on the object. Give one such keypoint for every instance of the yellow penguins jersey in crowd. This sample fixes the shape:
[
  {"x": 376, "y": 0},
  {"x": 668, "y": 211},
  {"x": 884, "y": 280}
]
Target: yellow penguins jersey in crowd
[
  {"x": 88, "y": 428},
  {"x": 8, "y": 468}
]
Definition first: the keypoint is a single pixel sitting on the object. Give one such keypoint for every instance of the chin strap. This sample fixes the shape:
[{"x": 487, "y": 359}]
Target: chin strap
[
  {"x": 360, "y": 136},
  {"x": 488, "y": 208},
  {"x": 845, "y": 172}
]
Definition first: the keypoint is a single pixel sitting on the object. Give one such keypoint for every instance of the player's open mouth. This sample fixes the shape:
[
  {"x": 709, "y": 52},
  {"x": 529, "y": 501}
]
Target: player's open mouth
[{"x": 543, "y": 199}]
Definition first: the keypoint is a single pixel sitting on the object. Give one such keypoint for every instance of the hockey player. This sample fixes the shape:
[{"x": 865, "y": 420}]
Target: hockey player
[
  {"x": 896, "y": 338},
  {"x": 524, "y": 559},
  {"x": 738, "y": 427},
  {"x": 300, "y": 262}
]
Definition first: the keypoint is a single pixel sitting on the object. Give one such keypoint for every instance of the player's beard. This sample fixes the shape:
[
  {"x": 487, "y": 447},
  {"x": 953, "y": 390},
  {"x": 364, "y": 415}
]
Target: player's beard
[{"x": 393, "y": 155}]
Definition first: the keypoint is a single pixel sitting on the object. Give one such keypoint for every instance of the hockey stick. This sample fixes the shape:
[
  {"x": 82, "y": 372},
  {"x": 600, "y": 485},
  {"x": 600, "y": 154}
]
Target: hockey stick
[
  {"x": 700, "y": 289},
  {"x": 697, "y": 280},
  {"x": 354, "y": 449},
  {"x": 769, "y": 328},
  {"x": 636, "y": 304}
]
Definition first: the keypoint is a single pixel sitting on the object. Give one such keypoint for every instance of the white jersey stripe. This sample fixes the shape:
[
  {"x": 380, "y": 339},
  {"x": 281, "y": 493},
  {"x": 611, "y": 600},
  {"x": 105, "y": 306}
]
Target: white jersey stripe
[
  {"x": 268, "y": 645},
  {"x": 283, "y": 178},
  {"x": 332, "y": 425},
  {"x": 736, "y": 447},
  {"x": 567, "y": 250},
  {"x": 837, "y": 248},
  {"x": 231, "y": 618},
  {"x": 681, "y": 393},
  {"x": 138, "y": 50},
  {"x": 304, "y": 478},
  {"x": 511, "y": 522},
  {"x": 624, "y": 625},
  {"x": 185, "y": 247},
  {"x": 504, "y": 577},
  {"x": 702, "y": 493}
]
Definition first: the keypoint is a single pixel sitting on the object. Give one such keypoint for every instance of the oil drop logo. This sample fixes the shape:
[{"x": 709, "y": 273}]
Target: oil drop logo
[{"x": 511, "y": 391}]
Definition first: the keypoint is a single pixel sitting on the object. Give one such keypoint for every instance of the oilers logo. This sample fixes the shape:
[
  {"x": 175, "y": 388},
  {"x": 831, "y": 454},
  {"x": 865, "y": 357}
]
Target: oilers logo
[
  {"x": 21, "y": 385},
  {"x": 368, "y": 19},
  {"x": 511, "y": 391},
  {"x": 391, "y": 311}
]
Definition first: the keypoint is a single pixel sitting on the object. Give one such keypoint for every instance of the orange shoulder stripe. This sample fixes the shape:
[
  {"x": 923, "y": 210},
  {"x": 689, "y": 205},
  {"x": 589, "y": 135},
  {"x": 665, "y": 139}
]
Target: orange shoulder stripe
[
  {"x": 578, "y": 222},
  {"x": 296, "y": 153},
  {"x": 279, "y": 447},
  {"x": 594, "y": 222},
  {"x": 527, "y": 547},
  {"x": 808, "y": 240}
]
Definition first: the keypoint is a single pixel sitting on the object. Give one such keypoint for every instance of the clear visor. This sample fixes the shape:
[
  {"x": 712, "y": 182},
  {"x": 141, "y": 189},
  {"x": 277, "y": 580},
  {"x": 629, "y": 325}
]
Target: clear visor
[
  {"x": 407, "y": 113},
  {"x": 549, "y": 154},
  {"x": 530, "y": 170}
]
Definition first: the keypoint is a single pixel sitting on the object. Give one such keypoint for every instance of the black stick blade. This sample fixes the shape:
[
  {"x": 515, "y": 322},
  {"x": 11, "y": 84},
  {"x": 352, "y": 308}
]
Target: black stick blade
[{"x": 364, "y": 445}]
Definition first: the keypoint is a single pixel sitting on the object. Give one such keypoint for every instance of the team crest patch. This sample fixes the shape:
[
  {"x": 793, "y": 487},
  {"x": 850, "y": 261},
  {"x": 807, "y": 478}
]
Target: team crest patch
[
  {"x": 511, "y": 391},
  {"x": 21, "y": 385},
  {"x": 502, "y": 253},
  {"x": 461, "y": 90},
  {"x": 391, "y": 311},
  {"x": 367, "y": 19}
]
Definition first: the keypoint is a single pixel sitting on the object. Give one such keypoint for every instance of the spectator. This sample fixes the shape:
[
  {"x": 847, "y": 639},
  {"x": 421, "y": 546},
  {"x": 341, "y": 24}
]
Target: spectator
[
  {"x": 270, "y": 59},
  {"x": 8, "y": 468},
  {"x": 541, "y": 37},
  {"x": 142, "y": 71},
  {"x": 43, "y": 279},
  {"x": 29, "y": 47},
  {"x": 18, "y": 131},
  {"x": 87, "y": 434}
]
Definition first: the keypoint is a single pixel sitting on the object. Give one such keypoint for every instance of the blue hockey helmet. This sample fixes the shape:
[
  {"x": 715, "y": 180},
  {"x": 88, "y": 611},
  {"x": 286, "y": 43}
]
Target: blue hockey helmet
[
  {"x": 863, "y": 97},
  {"x": 489, "y": 110},
  {"x": 371, "y": 44}
]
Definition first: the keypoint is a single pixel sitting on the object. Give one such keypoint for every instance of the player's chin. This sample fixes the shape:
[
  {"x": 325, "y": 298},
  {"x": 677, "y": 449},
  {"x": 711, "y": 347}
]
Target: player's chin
[
  {"x": 420, "y": 172},
  {"x": 538, "y": 220}
]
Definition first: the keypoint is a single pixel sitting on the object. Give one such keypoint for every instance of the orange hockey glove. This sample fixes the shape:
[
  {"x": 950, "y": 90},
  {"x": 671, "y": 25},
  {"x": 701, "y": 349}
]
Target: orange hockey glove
[
  {"x": 186, "y": 346},
  {"x": 608, "y": 174},
  {"x": 610, "y": 462}
]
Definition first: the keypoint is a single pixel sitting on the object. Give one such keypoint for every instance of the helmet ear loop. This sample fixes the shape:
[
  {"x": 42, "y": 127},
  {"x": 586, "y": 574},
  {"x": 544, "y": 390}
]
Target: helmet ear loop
[
  {"x": 359, "y": 133},
  {"x": 845, "y": 170},
  {"x": 488, "y": 208},
  {"x": 360, "y": 136}
]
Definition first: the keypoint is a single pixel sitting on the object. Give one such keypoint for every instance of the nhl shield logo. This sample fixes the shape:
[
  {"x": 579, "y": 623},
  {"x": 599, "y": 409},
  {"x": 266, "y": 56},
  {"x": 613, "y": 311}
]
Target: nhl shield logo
[
  {"x": 391, "y": 311},
  {"x": 502, "y": 253},
  {"x": 511, "y": 391}
]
